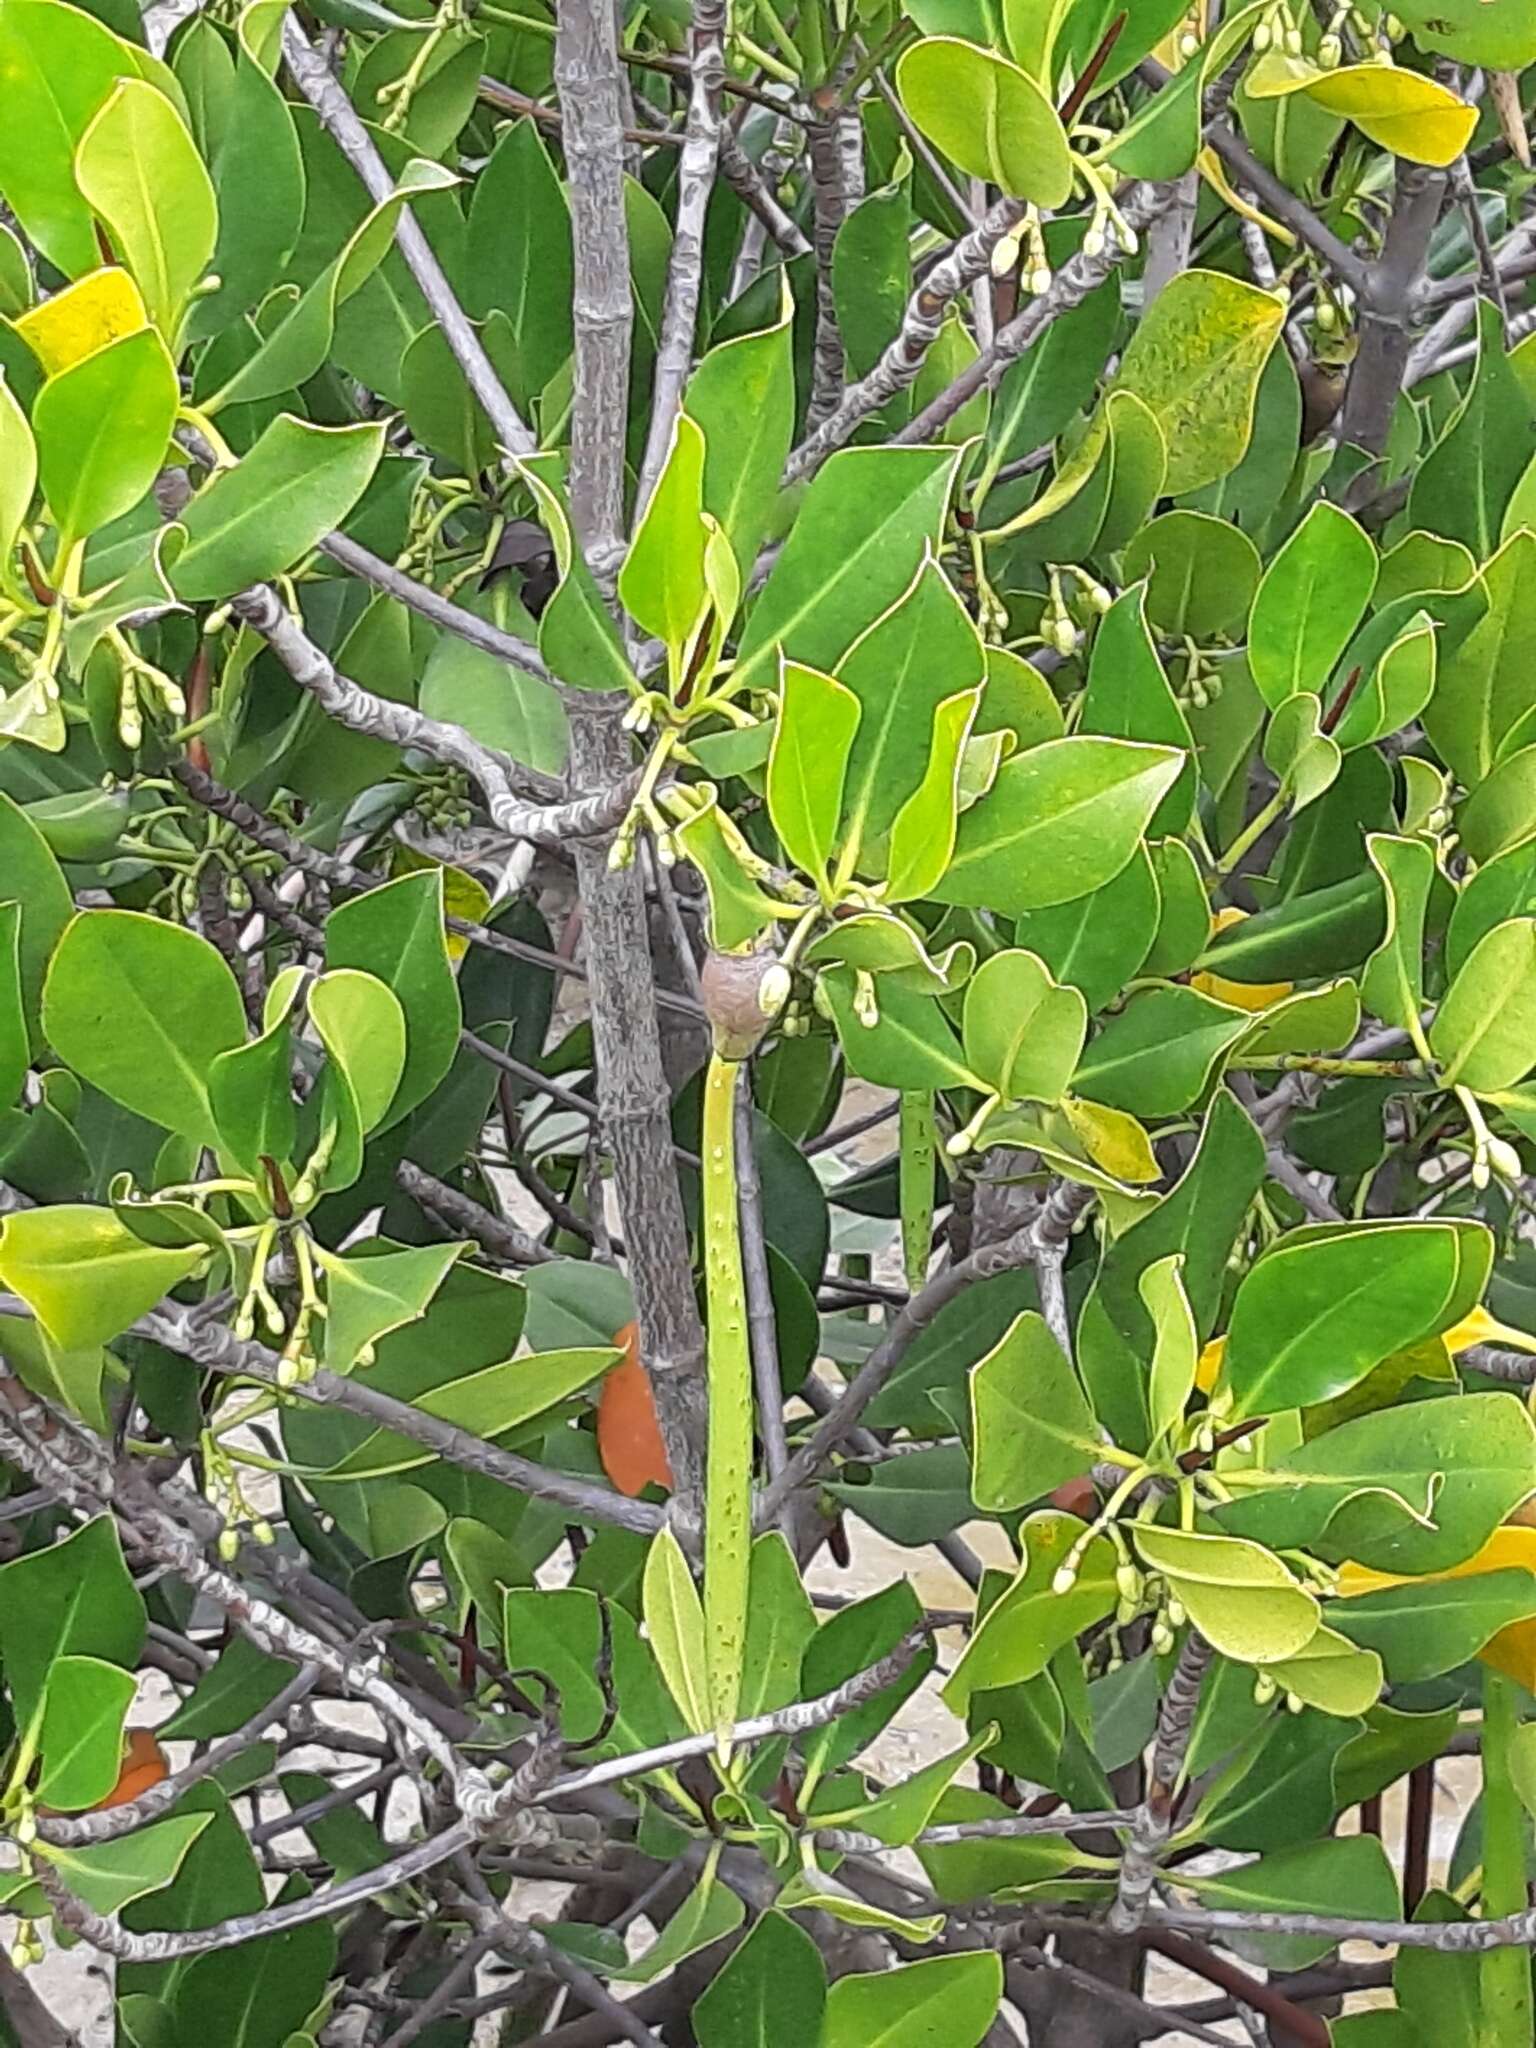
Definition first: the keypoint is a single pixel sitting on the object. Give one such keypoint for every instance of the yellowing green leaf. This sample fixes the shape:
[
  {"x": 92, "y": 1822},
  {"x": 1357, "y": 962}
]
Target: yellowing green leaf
[
  {"x": 1403, "y": 111},
  {"x": 1196, "y": 360}
]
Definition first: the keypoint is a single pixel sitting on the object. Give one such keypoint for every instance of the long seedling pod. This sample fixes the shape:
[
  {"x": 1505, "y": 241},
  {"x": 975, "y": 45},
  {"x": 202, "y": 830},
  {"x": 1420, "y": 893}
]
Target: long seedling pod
[
  {"x": 919, "y": 1145},
  {"x": 741, "y": 994}
]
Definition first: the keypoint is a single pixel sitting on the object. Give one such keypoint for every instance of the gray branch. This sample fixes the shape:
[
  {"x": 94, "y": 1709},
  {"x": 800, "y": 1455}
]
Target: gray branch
[
  {"x": 1041, "y": 1238},
  {"x": 685, "y": 267},
  {"x": 402, "y": 725},
  {"x": 341, "y": 120},
  {"x": 968, "y": 259},
  {"x": 1154, "y": 1817}
]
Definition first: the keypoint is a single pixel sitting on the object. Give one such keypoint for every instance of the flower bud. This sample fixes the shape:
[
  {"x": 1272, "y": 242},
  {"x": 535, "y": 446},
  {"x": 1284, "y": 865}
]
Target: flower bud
[
  {"x": 1329, "y": 51},
  {"x": 1264, "y": 1689},
  {"x": 1162, "y": 1637},
  {"x": 1065, "y": 1579},
  {"x": 1504, "y": 1159},
  {"x": 229, "y": 1541}
]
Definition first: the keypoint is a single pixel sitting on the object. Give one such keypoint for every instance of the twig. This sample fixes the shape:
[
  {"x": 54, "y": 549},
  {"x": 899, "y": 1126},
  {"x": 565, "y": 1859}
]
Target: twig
[
  {"x": 346, "y": 129},
  {"x": 830, "y": 199},
  {"x": 1154, "y": 1817},
  {"x": 212, "y": 1345},
  {"x": 402, "y": 725},
  {"x": 1376, "y": 376},
  {"x": 430, "y": 604},
  {"x": 685, "y": 266},
  {"x": 1304, "y": 2027},
  {"x": 1077, "y": 277},
  {"x": 1049, "y": 1227},
  {"x": 492, "y": 1233}
]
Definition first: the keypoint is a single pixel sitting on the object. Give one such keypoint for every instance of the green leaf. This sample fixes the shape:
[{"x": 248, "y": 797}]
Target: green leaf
[
  {"x": 1306, "y": 759},
  {"x": 262, "y": 517},
  {"x": 1393, "y": 983},
  {"x": 1332, "y": 1674},
  {"x": 1200, "y": 1218},
  {"x": 518, "y": 257},
  {"x": 739, "y": 908},
  {"x": 74, "y": 1599},
  {"x": 1201, "y": 576},
  {"x": 1239, "y": 1596},
  {"x": 1312, "y": 599},
  {"x": 59, "y": 65},
  {"x": 1415, "y": 1488},
  {"x": 1176, "y": 1348},
  {"x": 709, "y": 1911},
  {"x": 1495, "y": 33},
  {"x": 297, "y": 347},
  {"x": 84, "y": 1707},
  {"x": 1396, "y": 687},
  {"x": 662, "y": 584},
  {"x": 987, "y": 116},
  {"x": 852, "y": 1640},
  {"x": 1462, "y": 486},
  {"x": 1501, "y": 811},
  {"x": 1023, "y": 1033},
  {"x": 1128, "y": 697},
  {"x": 15, "y": 1051},
  {"x": 808, "y": 764},
  {"x": 912, "y": 660},
  {"x": 674, "y": 1623},
  {"x": 102, "y": 428},
  {"x": 771, "y": 1991},
  {"x": 780, "y": 1623},
  {"x": 1484, "y": 1033},
  {"x": 250, "y": 1095},
  {"x": 488, "y": 1402},
  {"x": 1159, "y": 1054},
  {"x": 1485, "y": 693},
  {"x": 231, "y": 1693},
  {"x": 84, "y": 1274},
  {"x": 1422, "y": 1630},
  {"x": 1030, "y": 1621},
  {"x": 141, "y": 1009},
  {"x": 1059, "y": 821},
  {"x": 1318, "y": 1310},
  {"x": 1196, "y": 360},
  {"x": 948, "y": 1999},
  {"x": 138, "y": 168},
  {"x": 1031, "y": 1426},
  {"x": 252, "y": 151},
  {"x": 824, "y": 591},
  {"x": 111, "y": 1875},
  {"x": 908, "y": 1044},
  {"x": 577, "y": 635},
  {"x": 923, "y": 830},
  {"x": 1098, "y": 941},
  {"x": 396, "y": 933},
  {"x": 362, "y": 1027},
  {"x": 911, "y": 1500},
  {"x": 1500, "y": 889},
  {"x": 18, "y": 472},
  {"x": 367, "y": 1297},
  {"x": 1350, "y": 1876},
  {"x": 743, "y": 396}
]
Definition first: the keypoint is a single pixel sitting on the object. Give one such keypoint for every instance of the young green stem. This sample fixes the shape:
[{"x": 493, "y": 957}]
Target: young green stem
[
  {"x": 728, "y": 1471},
  {"x": 1506, "y": 1972}
]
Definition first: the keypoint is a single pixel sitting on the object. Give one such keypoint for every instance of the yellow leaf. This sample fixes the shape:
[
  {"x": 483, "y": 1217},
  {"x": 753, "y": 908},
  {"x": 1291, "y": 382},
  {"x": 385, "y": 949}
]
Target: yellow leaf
[
  {"x": 1214, "y": 173},
  {"x": 102, "y": 306},
  {"x": 1241, "y": 995},
  {"x": 463, "y": 896},
  {"x": 1208, "y": 1365},
  {"x": 1413, "y": 116},
  {"x": 1513, "y": 1649},
  {"x": 1482, "y": 1328},
  {"x": 1113, "y": 1140}
]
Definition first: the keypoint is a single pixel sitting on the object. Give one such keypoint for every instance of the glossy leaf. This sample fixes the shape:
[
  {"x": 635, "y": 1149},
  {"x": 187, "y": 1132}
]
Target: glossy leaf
[
  {"x": 1313, "y": 596},
  {"x": 674, "y": 1623},
  {"x": 1483, "y": 1031},
  {"x": 84, "y": 1274},
  {"x": 1023, "y": 1032},
  {"x": 137, "y": 167},
  {"x": 141, "y": 1009},
  {"x": 102, "y": 430},
  {"x": 1031, "y": 1426},
  {"x": 950, "y": 1997},
  {"x": 1322, "y": 1307},
  {"x": 988, "y": 116}
]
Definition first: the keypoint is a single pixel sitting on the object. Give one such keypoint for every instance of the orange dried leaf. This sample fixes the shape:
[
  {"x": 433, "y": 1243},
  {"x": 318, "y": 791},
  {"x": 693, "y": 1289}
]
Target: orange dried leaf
[{"x": 628, "y": 1434}]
